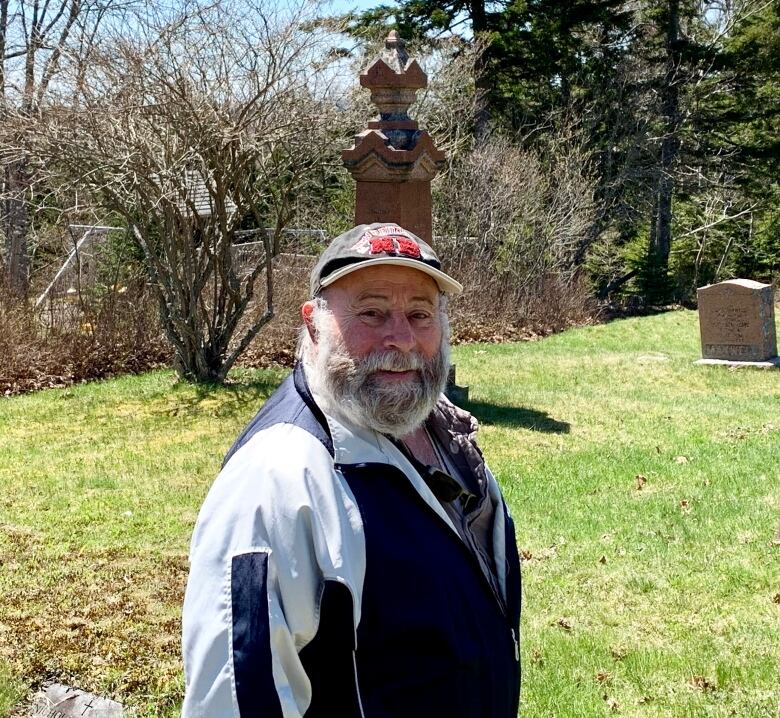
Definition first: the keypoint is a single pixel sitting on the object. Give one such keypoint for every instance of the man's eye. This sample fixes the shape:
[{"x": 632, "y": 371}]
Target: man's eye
[
  {"x": 371, "y": 314},
  {"x": 420, "y": 316}
]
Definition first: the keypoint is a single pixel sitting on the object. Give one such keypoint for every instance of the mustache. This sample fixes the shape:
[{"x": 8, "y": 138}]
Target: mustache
[{"x": 391, "y": 361}]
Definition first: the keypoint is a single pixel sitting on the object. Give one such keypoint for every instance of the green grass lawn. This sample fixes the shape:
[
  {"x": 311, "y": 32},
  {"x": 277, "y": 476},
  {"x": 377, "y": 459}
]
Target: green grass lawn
[{"x": 645, "y": 490}]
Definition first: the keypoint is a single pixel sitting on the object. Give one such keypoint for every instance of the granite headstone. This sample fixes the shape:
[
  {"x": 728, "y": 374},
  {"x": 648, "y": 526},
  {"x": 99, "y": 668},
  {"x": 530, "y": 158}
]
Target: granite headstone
[{"x": 737, "y": 321}]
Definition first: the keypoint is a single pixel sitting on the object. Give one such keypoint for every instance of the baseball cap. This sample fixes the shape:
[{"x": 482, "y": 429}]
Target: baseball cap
[{"x": 369, "y": 245}]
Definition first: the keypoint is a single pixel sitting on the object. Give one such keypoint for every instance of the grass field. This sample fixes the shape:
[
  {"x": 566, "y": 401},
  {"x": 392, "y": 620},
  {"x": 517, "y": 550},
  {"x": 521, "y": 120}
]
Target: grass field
[{"x": 646, "y": 493}]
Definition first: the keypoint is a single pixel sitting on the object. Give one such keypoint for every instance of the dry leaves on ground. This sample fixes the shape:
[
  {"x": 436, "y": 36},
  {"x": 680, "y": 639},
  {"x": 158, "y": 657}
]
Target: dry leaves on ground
[
  {"x": 701, "y": 683},
  {"x": 612, "y": 704}
]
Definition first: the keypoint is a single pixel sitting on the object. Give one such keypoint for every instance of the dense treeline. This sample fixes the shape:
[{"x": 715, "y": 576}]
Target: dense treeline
[{"x": 675, "y": 103}]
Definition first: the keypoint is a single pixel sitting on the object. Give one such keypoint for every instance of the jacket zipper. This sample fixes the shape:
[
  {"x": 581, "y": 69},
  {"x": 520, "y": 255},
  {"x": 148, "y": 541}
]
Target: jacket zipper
[{"x": 472, "y": 558}]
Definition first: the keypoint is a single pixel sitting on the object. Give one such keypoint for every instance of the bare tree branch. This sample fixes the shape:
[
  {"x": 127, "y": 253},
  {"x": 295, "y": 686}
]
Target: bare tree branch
[{"x": 208, "y": 125}]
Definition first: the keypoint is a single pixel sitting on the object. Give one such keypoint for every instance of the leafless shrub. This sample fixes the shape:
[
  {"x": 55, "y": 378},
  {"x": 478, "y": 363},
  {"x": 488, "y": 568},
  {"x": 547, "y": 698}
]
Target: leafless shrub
[
  {"x": 490, "y": 310},
  {"x": 118, "y": 333},
  {"x": 448, "y": 106},
  {"x": 276, "y": 345},
  {"x": 513, "y": 214},
  {"x": 204, "y": 123}
]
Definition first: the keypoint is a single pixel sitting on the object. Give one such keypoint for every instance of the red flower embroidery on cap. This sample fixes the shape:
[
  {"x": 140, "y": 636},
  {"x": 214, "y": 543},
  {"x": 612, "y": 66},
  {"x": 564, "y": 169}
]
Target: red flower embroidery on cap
[
  {"x": 382, "y": 244},
  {"x": 408, "y": 247}
]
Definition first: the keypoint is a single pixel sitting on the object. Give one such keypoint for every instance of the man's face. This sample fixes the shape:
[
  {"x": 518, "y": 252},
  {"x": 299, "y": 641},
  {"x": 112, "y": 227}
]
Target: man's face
[
  {"x": 380, "y": 358},
  {"x": 386, "y": 308}
]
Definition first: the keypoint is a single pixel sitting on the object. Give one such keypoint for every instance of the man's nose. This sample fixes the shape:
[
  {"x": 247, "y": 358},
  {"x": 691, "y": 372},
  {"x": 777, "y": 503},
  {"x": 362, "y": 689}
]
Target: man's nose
[{"x": 400, "y": 334}]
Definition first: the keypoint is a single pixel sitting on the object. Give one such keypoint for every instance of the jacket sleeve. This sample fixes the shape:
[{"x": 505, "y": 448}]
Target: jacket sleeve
[{"x": 276, "y": 527}]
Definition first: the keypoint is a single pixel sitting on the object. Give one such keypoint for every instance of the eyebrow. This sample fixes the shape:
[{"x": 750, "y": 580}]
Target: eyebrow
[{"x": 384, "y": 297}]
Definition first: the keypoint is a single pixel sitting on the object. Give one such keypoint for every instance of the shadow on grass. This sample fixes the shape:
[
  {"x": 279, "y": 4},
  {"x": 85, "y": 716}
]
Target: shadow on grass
[
  {"x": 244, "y": 397},
  {"x": 516, "y": 416},
  {"x": 236, "y": 398}
]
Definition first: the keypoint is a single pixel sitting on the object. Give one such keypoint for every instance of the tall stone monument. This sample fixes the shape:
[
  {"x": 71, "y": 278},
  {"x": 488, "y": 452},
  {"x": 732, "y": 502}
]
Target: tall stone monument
[
  {"x": 737, "y": 323},
  {"x": 394, "y": 161}
]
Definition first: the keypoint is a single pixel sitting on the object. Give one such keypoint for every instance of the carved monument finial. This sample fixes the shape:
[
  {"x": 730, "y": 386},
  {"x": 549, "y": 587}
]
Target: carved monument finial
[
  {"x": 393, "y": 161},
  {"x": 395, "y": 53}
]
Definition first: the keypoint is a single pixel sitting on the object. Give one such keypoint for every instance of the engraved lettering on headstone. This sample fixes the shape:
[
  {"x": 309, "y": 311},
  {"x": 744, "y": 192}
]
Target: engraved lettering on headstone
[{"x": 736, "y": 319}]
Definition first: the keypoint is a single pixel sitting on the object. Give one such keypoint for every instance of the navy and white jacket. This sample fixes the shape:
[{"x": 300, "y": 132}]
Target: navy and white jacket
[{"x": 327, "y": 581}]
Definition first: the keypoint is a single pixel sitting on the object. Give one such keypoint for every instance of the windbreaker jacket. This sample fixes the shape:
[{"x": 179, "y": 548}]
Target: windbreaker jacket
[{"x": 326, "y": 580}]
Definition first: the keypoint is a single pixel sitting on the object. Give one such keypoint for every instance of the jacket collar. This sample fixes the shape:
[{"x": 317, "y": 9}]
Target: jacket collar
[{"x": 456, "y": 430}]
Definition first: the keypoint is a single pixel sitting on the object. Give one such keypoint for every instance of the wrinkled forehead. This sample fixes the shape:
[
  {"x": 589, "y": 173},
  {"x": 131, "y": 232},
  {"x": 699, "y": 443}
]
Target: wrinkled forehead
[{"x": 388, "y": 281}]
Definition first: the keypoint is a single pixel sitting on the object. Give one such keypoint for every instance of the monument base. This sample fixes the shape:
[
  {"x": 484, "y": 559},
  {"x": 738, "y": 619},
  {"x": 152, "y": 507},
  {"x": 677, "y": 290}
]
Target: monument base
[
  {"x": 458, "y": 395},
  {"x": 773, "y": 363}
]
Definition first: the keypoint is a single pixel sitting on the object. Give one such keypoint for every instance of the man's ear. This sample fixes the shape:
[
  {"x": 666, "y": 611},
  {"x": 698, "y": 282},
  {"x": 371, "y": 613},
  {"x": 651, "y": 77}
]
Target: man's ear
[{"x": 307, "y": 310}]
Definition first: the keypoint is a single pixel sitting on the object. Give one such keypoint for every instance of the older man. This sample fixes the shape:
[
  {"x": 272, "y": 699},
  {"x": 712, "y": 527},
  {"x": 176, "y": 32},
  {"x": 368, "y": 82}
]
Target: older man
[{"x": 355, "y": 557}]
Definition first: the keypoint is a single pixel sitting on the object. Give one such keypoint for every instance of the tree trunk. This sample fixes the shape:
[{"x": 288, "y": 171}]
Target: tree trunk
[
  {"x": 479, "y": 25},
  {"x": 41, "y": 31},
  {"x": 3, "y": 35},
  {"x": 16, "y": 226},
  {"x": 661, "y": 219}
]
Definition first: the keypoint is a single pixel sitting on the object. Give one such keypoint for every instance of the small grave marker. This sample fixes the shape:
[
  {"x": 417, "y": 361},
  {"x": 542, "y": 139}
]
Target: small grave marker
[
  {"x": 456, "y": 394},
  {"x": 737, "y": 323},
  {"x": 59, "y": 701}
]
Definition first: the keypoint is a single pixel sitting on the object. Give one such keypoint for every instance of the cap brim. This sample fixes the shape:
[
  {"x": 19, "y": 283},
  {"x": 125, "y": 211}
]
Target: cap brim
[{"x": 444, "y": 281}]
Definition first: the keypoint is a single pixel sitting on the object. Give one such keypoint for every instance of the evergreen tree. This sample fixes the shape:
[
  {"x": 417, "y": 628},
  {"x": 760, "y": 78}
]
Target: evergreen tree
[
  {"x": 746, "y": 118},
  {"x": 677, "y": 101},
  {"x": 538, "y": 53}
]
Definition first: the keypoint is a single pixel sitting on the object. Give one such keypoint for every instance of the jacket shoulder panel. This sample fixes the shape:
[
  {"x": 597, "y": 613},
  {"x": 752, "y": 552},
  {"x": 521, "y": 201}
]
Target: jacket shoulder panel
[{"x": 292, "y": 403}]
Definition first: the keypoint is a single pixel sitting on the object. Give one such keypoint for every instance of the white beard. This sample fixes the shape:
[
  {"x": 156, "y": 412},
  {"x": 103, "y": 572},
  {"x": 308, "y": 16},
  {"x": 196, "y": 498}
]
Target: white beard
[{"x": 353, "y": 394}]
